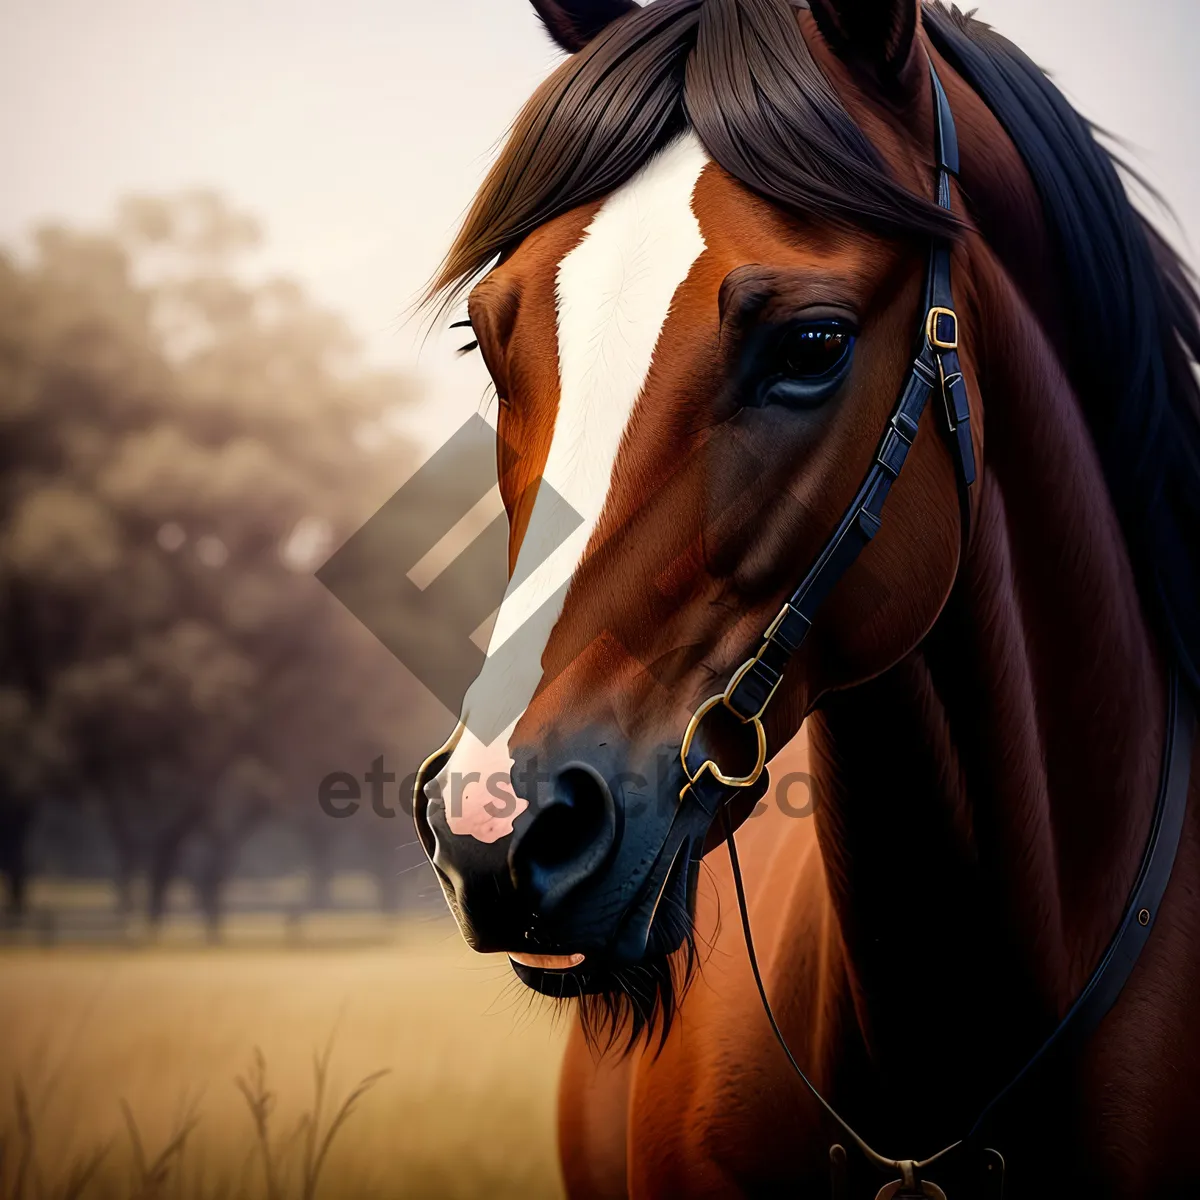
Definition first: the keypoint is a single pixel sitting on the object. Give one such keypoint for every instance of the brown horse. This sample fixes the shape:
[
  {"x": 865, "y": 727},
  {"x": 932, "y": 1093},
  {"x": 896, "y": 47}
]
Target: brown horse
[{"x": 706, "y": 245}]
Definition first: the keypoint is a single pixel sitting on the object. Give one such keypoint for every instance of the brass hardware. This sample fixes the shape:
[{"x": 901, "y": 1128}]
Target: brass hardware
[
  {"x": 748, "y": 666},
  {"x": 738, "y": 675},
  {"x": 908, "y": 1185},
  {"x": 838, "y": 1179},
  {"x": 931, "y": 328},
  {"x": 776, "y": 621},
  {"x": 993, "y": 1175},
  {"x": 1144, "y": 916},
  {"x": 738, "y": 781},
  {"x": 898, "y": 1191},
  {"x": 755, "y": 721}
]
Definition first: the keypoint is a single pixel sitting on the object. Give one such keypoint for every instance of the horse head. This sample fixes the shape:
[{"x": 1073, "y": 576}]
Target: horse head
[
  {"x": 703, "y": 265},
  {"x": 703, "y": 287}
]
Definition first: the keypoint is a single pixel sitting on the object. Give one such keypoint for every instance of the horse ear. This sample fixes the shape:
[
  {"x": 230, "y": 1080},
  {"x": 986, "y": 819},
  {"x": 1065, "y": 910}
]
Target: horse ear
[
  {"x": 573, "y": 23},
  {"x": 879, "y": 35}
]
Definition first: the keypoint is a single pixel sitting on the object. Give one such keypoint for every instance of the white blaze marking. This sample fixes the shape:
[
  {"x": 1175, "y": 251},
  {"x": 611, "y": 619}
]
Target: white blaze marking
[{"x": 614, "y": 293}]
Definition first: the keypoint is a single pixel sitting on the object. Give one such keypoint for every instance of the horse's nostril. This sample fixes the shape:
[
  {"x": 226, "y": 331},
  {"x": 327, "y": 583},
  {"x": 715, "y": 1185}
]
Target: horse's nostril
[
  {"x": 574, "y": 819},
  {"x": 568, "y": 839}
]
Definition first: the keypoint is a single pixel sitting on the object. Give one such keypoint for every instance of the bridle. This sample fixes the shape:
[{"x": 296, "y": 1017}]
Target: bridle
[
  {"x": 708, "y": 789},
  {"x": 755, "y": 682},
  {"x": 753, "y": 685}
]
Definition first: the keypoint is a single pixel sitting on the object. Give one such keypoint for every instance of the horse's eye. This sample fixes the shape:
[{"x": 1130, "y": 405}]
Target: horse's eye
[
  {"x": 814, "y": 350},
  {"x": 807, "y": 363}
]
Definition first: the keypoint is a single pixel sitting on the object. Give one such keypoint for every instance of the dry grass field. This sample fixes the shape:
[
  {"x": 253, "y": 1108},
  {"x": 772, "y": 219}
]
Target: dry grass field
[{"x": 128, "y": 1061}]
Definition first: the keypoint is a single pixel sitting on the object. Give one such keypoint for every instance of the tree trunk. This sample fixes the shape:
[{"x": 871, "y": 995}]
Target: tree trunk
[
  {"x": 16, "y": 820},
  {"x": 113, "y": 804},
  {"x": 216, "y": 865},
  {"x": 320, "y": 871},
  {"x": 165, "y": 854}
]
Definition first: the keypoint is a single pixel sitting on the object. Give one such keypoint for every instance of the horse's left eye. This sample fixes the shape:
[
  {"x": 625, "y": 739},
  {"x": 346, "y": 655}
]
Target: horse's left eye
[
  {"x": 815, "y": 351},
  {"x": 805, "y": 363}
]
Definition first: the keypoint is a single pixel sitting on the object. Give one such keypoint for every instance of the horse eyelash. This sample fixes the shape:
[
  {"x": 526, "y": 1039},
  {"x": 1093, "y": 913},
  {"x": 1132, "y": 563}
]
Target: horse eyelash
[{"x": 471, "y": 345}]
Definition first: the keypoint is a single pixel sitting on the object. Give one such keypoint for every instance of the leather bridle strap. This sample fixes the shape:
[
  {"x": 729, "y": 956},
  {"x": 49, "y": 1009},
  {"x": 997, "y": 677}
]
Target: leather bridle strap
[
  {"x": 1114, "y": 968},
  {"x": 754, "y": 683},
  {"x": 935, "y": 366},
  {"x": 1111, "y": 972}
]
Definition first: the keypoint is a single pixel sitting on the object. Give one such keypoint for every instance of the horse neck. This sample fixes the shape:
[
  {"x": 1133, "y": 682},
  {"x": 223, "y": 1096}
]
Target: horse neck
[{"x": 985, "y": 802}]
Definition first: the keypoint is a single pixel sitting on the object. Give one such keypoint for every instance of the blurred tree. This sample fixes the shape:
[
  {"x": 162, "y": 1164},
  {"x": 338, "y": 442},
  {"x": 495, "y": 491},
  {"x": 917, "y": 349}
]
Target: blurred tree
[{"x": 180, "y": 447}]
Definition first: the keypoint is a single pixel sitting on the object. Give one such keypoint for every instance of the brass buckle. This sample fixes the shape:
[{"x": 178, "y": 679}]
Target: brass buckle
[
  {"x": 738, "y": 675},
  {"x": 931, "y": 323},
  {"x": 748, "y": 665},
  {"x": 735, "y": 781}
]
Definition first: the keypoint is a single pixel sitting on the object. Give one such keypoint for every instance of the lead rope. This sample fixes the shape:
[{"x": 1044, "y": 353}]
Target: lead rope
[
  {"x": 753, "y": 685},
  {"x": 1102, "y": 988},
  {"x": 907, "y": 1168}
]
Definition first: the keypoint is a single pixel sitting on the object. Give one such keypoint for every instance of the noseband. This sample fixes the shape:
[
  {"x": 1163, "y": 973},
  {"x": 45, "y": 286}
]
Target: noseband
[{"x": 755, "y": 682}]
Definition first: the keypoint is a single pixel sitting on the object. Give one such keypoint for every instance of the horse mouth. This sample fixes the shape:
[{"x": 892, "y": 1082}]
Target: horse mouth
[
  {"x": 637, "y": 963},
  {"x": 548, "y": 962},
  {"x": 618, "y": 1004},
  {"x": 561, "y": 977}
]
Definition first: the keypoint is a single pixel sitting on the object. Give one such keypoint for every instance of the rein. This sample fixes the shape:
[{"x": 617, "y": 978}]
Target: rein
[
  {"x": 1091, "y": 1006},
  {"x": 755, "y": 682}
]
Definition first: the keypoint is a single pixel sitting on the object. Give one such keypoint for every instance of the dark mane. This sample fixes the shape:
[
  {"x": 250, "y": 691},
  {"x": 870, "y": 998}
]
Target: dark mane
[
  {"x": 740, "y": 74},
  {"x": 1132, "y": 322}
]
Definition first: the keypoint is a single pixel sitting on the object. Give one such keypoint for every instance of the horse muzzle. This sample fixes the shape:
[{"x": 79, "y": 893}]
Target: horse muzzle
[{"x": 601, "y": 861}]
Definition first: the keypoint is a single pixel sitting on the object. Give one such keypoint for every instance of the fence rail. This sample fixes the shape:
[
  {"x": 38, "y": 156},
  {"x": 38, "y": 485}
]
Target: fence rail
[{"x": 254, "y": 919}]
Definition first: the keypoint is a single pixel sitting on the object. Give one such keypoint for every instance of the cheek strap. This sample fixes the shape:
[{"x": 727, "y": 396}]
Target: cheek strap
[{"x": 935, "y": 367}]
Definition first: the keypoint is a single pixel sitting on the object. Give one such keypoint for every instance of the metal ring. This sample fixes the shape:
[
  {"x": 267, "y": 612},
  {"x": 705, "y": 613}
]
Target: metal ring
[
  {"x": 897, "y": 1189},
  {"x": 737, "y": 781}
]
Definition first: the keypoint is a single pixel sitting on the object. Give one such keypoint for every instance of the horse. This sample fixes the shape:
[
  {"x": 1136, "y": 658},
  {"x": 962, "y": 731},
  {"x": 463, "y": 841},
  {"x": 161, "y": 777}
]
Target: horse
[{"x": 738, "y": 262}]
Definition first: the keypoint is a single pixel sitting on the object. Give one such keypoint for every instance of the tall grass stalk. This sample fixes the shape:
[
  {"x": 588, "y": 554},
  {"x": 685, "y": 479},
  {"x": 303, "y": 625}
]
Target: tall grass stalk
[{"x": 297, "y": 1156}]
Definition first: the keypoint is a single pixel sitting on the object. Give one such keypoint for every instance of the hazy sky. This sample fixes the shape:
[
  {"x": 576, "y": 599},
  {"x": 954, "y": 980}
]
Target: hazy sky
[{"x": 359, "y": 130}]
